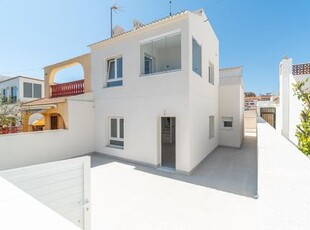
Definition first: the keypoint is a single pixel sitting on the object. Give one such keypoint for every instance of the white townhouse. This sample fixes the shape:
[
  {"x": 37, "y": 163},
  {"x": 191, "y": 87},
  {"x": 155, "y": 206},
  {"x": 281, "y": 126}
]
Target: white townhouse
[
  {"x": 21, "y": 89},
  {"x": 156, "y": 94},
  {"x": 290, "y": 106},
  {"x": 152, "y": 95}
]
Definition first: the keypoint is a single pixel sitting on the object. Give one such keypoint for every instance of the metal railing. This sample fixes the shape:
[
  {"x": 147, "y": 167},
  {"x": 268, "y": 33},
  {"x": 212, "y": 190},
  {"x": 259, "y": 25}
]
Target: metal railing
[{"x": 68, "y": 89}]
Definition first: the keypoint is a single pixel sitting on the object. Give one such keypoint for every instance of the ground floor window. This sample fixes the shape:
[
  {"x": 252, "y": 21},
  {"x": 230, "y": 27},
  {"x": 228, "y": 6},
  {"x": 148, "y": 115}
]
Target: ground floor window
[
  {"x": 116, "y": 131},
  {"x": 227, "y": 122},
  {"x": 211, "y": 127}
]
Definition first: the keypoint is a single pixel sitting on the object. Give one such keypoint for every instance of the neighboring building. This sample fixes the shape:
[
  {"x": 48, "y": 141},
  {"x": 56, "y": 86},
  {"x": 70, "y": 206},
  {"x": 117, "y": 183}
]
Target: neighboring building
[
  {"x": 231, "y": 108},
  {"x": 21, "y": 89},
  {"x": 290, "y": 106},
  {"x": 155, "y": 101}
]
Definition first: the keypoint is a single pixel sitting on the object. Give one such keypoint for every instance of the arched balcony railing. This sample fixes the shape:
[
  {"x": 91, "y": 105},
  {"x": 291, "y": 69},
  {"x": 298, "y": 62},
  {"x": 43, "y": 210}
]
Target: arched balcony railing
[{"x": 68, "y": 89}]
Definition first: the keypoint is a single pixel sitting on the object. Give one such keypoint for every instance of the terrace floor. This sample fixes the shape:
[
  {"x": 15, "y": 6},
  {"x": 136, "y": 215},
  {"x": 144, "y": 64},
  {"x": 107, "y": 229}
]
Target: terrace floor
[{"x": 218, "y": 195}]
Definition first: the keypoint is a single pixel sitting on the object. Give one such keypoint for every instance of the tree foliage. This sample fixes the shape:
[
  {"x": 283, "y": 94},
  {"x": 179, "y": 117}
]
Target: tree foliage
[
  {"x": 303, "y": 129},
  {"x": 10, "y": 113}
]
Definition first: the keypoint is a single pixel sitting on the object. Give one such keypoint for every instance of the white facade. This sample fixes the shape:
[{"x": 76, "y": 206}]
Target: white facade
[
  {"x": 180, "y": 90},
  {"x": 231, "y": 107},
  {"x": 290, "y": 107},
  {"x": 23, "y": 89}
]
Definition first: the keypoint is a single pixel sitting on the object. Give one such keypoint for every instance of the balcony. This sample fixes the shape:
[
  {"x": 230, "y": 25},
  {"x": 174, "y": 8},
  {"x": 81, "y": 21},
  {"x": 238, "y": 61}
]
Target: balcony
[{"x": 68, "y": 89}]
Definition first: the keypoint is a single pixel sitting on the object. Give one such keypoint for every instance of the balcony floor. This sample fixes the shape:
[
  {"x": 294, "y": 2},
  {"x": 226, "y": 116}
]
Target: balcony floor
[{"x": 219, "y": 195}]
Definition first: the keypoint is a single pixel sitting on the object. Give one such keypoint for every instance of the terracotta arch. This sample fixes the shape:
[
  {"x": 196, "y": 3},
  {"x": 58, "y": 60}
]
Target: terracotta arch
[{"x": 50, "y": 72}]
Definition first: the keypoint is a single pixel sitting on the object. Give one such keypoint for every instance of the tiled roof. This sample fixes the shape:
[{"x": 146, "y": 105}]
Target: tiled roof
[
  {"x": 143, "y": 26},
  {"x": 46, "y": 101}
]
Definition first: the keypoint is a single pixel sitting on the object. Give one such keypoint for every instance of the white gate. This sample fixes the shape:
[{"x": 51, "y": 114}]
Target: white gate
[{"x": 63, "y": 186}]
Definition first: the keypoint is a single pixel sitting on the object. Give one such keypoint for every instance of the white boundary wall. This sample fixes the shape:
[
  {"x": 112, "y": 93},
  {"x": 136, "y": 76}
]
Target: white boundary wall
[
  {"x": 23, "y": 149},
  {"x": 283, "y": 181}
]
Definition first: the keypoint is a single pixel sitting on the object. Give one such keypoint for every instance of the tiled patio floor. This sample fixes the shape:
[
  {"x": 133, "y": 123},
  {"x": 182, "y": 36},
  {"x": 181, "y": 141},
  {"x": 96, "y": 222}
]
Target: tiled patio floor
[{"x": 219, "y": 195}]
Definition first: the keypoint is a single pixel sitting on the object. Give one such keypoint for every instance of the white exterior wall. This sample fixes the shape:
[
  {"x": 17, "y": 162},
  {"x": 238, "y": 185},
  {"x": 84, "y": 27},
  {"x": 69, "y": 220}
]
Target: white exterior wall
[
  {"x": 203, "y": 96},
  {"x": 142, "y": 101},
  {"x": 290, "y": 106},
  {"x": 19, "y": 83},
  {"x": 46, "y": 146},
  {"x": 231, "y": 104}
]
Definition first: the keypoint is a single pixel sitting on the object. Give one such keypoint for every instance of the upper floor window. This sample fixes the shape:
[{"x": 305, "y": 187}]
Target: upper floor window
[
  {"x": 13, "y": 94},
  {"x": 115, "y": 72},
  {"x": 32, "y": 90},
  {"x": 4, "y": 95},
  {"x": 161, "y": 55},
  {"x": 196, "y": 48},
  {"x": 27, "y": 89},
  {"x": 211, "y": 73}
]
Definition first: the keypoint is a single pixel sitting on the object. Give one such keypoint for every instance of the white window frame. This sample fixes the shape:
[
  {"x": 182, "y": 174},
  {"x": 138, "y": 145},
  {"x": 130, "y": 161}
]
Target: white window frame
[
  {"x": 118, "y": 131},
  {"x": 211, "y": 73},
  {"x": 115, "y": 68},
  {"x": 229, "y": 119}
]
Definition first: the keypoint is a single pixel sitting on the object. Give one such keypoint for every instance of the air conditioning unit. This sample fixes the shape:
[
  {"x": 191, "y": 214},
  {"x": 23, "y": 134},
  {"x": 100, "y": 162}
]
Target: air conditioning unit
[
  {"x": 117, "y": 30},
  {"x": 137, "y": 24}
]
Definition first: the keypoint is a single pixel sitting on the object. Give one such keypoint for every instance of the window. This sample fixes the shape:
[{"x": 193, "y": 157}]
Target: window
[
  {"x": 211, "y": 127},
  {"x": 196, "y": 57},
  {"x": 37, "y": 91},
  {"x": 116, "y": 132},
  {"x": 28, "y": 90},
  {"x": 161, "y": 55},
  {"x": 4, "y": 95},
  {"x": 227, "y": 122},
  {"x": 13, "y": 94},
  {"x": 211, "y": 73},
  {"x": 115, "y": 72}
]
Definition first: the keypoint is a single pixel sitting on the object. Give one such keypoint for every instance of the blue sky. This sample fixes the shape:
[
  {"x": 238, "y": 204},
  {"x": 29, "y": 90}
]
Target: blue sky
[{"x": 253, "y": 33}]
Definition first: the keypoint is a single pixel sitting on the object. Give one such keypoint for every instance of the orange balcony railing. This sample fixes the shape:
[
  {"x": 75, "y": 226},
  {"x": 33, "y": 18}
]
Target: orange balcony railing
[{"x": 68, "y": 89}]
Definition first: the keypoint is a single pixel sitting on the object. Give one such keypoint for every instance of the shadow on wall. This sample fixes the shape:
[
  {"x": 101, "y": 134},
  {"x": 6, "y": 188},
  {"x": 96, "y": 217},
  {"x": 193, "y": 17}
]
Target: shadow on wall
[{"x": 226, "y": 169}]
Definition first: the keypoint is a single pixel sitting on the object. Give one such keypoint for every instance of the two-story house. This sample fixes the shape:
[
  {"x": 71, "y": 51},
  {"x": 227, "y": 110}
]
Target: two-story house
[
  {"x": 155, "y": 93},
  {"x": 21, "y": 89}
]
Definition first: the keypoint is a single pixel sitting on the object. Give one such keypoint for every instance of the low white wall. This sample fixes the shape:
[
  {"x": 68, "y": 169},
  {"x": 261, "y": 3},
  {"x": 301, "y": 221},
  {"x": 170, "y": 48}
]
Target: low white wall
[
  {"x": 283, "y": 181},
  {"x": 23, "y": 149}
]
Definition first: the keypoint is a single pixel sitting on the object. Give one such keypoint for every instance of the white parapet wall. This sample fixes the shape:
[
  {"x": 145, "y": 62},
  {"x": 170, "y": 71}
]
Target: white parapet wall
[
  {"x": 23, "y": 149},
  {"x": 283, "y": 181}
]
